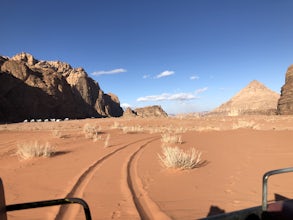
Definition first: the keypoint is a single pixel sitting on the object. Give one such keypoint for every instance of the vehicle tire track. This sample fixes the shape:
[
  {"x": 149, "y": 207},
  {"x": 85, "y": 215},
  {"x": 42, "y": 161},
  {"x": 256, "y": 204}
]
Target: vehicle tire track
[
  {"x": 86, "y": 176},
  {"x": 145, "y": 206}
]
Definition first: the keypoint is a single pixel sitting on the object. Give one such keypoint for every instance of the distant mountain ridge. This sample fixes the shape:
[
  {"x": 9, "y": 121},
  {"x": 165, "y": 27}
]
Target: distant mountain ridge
[
  {"x": 254, "y": 99},
  {"x": 155, "y": 111},
  {"x": 33, "y": 89}
]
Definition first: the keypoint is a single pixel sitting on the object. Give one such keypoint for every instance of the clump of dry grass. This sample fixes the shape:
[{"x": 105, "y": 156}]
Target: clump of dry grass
[
  {"x": 97, "y": 137},
  {"x": 132, "y": 129},
  {"x": 116, "y": 125},
  {"x": 244, "y": 124},
  {"x": 171, "y": 138},
  {"x": 107, "y": 140},
  {"x": 174, "y": 157},
  {"x": 155, "y": 130},
  {"x": 35, "y": 149},
  {"x": 90, "y": 131},
  {"x": 180, "y": 130},
  {"x": 57, "y": 134}
]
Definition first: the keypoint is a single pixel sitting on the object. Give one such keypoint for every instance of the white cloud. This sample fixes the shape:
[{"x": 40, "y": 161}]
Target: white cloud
[
  {"x": 146, "y": 76},
  {"x": 108, "y": 72},
  {"x": 172, "y": 97},
  {"x": 182, "y": 96},
  {"x": 167, "y": 96},
  {"x": 125, "y": 105},
  {"x": 156, "y": 98},
  {"x": 198, "y": 91},
  {"x": 164, "y": 74},
  {"x": 194, "y": 77}
]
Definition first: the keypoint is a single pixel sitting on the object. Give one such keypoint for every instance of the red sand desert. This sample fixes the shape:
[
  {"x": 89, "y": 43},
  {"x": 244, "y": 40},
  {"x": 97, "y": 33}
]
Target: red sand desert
[{"x": 124, "y": 179}]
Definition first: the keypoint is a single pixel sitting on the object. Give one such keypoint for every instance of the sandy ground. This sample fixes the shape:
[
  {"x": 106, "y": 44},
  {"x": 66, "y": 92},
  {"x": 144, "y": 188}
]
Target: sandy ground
[{"x": 124, "y": 179}]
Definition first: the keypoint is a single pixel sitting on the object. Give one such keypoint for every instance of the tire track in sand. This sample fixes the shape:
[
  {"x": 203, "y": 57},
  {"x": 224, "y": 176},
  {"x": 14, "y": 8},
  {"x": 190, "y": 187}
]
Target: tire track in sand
[
  {"x": 145, "y": 206},
  {"x": 86, "y": 176}
]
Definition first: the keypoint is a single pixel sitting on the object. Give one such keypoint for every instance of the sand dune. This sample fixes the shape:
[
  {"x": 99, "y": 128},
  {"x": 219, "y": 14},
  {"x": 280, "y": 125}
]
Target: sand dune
[{"x": 124, "y": 178}]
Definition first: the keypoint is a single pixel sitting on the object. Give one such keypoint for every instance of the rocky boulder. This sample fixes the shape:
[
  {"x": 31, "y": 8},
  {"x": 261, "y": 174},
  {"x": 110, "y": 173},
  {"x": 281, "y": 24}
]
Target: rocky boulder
[
  {"x": 285, "y": 103},
  {"x": 254, "y": 99},
  {"x": 32, "y": 89}
]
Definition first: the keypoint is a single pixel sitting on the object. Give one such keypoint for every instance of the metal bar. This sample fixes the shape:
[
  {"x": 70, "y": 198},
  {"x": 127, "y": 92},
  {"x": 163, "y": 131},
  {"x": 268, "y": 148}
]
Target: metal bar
[
  {"x": 3, "y": 215},
  {"x": 39, "y": 204},
  {"x": 265, "y": 184}
]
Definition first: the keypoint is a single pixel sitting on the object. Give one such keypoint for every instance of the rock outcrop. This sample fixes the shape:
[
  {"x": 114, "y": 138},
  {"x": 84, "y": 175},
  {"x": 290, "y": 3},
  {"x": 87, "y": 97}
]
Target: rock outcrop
[
  {"x": 285, "y": 103},
  {"x": 254, "y": 99},
  {"x": 129, "y": 113},
  {"x": 154, "y": 111},
  {"x": 32, "y": 89}
]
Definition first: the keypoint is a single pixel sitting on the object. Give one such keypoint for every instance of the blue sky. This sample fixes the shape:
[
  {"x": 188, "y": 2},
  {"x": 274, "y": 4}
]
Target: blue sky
[{"x": 185, "y": 55}]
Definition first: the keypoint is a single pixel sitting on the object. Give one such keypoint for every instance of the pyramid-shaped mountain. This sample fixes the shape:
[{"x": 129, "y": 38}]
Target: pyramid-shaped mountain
[{"x": 254, "y": 99}]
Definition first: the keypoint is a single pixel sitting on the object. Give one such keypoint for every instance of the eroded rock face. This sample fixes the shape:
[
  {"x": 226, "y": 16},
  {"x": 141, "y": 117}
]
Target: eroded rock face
[
  {"x": 254, "y": 99},
  {"x": 129, "y": 113},
  {"x": 154, "y": 111},
  {"x": 285, "y": 103},
  {"x": 32, "y": 89}
]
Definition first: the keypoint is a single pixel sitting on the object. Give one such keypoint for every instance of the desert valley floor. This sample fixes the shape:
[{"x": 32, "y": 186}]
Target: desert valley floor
[{"x": 119, "y": 174}]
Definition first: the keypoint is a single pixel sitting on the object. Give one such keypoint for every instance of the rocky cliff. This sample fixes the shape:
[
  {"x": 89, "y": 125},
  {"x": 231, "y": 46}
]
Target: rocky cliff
[
  {"x": 154, "y": 111},
  {"x": 254, "y": 99},
  {"x": 33, "y": 89},
  {"x": 285, "y": 103}
]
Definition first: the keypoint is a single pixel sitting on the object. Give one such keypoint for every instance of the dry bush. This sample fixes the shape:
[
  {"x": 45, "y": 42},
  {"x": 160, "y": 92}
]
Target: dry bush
[
  {"x": 57, "y": 134},
  {"x": 132, "y": 129},
  {"x": 171, "y": 138},
  {"x": 90, "y": 131},
  {"x": 107, "y": 140},
  {"x": 244, "y": 124},
  {"x": 116, "y": 125},
  {"x": 180, "y": 130},
  {"x": 97, "y": 137},
  {"x": 34, "y": 149},
  {"x": 174, "y": 157},
  {"x": 206, "y": 128},
  {"x": 155, "y": 130}
]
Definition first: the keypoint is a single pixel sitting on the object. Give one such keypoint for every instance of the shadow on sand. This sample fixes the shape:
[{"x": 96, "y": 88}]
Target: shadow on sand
[{"x": 216, "y": 212}]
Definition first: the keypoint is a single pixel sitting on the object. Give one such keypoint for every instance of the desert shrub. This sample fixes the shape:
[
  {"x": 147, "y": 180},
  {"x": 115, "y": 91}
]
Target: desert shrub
[
  {"x": 132, "y": 129},
  {"x": 116, "y": 125},
  {"x": 155, "y": 130},
  {"x": 107, "y": 140},
  {"x": 174, "y": 157},
  {"x": 243, "y": 124},
  {"x": 57, "y": 134},
  {"x": 97, "y": 137},
  {"x": 180, "y": 130},
  {"x": 90, "y": 131},
  {"x": 171, "y": 138},
  {"x": 206, "y": 128},
  {"x": 35, "y": 149}
]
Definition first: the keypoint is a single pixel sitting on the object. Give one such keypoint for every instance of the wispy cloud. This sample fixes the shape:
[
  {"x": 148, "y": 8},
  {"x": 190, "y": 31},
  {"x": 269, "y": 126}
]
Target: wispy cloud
[
  {"x": 146, "y": 76},
  {"x": 194, "y": 77},
  {"x": 172, "y": 97},
  {"x": 109, "y": 72},
  {"x": 198, "y": 91},
  {"x": 164, "y": 74}
]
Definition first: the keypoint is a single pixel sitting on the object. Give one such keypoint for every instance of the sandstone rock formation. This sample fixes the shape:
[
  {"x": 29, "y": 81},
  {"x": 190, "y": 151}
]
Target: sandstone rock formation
[
  {"x": 128, "y": 112},
  {"x": 285, "y": 103},
  {"x": 254, "y": 99},
  {"x": 32, "y": 89},
  {"x": 154, "y": 111}
]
